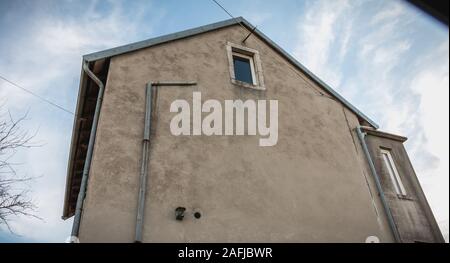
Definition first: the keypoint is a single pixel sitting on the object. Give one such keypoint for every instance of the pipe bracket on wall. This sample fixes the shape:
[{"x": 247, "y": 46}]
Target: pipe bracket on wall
[{"x": 145, "y": 150}]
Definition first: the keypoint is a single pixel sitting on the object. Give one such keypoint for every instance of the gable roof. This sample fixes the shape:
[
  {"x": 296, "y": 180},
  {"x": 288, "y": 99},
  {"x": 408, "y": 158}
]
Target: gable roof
[
  {"x": 86, "y": 96},
  {"x": 203, "y": 29}
]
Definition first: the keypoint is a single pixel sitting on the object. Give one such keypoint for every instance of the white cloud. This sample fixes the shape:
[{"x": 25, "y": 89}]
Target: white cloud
[
  {"x": 388, "y": 14},
  {"x": 257, "y": 18},
  {"x": 319, "y": 32},
  {"x": 390, "y": 55},
  {"x": 345, "y": 42},
  {"x": 54, "y": 45},
  {"x": 392, "y": 78},
  {"x": 432, "y": 84}
]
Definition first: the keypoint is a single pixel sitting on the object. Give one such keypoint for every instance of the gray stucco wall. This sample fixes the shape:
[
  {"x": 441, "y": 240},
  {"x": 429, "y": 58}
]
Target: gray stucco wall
[
  {"x": 412, "y": 215},
  {"x": 313, "y": 186}
]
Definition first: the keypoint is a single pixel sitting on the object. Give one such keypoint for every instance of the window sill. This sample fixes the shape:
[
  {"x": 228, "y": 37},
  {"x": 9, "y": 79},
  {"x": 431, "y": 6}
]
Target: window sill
[{"x": 247, "y": 85}]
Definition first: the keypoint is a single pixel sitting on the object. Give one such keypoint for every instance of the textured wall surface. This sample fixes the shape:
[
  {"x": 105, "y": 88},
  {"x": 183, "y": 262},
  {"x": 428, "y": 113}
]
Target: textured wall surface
[
  {"x": 412, "y": 214},
  {"x": 313, "y": 186}
]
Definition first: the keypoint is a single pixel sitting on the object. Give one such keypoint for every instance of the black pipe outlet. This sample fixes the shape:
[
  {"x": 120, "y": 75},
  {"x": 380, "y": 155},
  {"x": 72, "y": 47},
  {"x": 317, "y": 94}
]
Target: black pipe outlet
[{"x": 179, "y": 213}]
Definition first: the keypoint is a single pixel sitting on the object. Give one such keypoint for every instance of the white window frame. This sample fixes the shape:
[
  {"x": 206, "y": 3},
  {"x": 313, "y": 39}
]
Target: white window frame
[
  {"x": 255, "y": 65},
  {"x": 252, "y": 65},
  {"x": 393, "y": 172}
]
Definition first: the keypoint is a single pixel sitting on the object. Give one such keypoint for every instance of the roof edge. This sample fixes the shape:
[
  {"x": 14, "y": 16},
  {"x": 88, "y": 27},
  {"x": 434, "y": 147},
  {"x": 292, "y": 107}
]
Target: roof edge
[
  {"x": 159, "y": 40},
  {"x": 386, "y": 135},
  {"x": 73, "y": 140},
  {"x": 210, "y": 27}
]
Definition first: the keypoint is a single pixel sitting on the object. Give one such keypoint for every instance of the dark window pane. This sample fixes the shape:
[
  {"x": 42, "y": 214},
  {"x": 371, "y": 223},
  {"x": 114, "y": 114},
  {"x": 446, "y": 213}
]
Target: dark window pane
[{"x": 242, "y": 69}]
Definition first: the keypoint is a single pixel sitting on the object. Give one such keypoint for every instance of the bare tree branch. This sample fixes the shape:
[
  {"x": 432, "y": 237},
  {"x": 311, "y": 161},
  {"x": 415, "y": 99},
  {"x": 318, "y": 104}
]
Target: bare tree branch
[{"x": 14, "y": 201}]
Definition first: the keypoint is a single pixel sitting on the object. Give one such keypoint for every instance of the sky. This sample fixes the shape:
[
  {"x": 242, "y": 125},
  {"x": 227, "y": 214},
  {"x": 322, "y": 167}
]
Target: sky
[{"x": 386, "y": 57}]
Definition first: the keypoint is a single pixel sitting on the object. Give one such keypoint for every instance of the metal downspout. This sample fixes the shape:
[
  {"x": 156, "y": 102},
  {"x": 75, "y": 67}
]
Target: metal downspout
[
  {"x": 378, "y": 184},
  {"x": 144, "y": 164},
  {"x": 87, "y": 163},
  {"x": 145, "y": 152}
]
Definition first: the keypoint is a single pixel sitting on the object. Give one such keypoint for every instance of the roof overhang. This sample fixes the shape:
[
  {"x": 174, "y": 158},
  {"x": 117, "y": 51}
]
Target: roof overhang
[
  {"x": 87, "y": 98},
  {"x": 383, "y": 134}
]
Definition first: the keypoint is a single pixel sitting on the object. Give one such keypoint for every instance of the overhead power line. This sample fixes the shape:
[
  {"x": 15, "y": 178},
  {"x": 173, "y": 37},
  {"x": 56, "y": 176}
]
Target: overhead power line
[
  {"x": 226, "y": 11},
  {"x": 70, "y": 112},
  {"x": 36, "y": 95}
]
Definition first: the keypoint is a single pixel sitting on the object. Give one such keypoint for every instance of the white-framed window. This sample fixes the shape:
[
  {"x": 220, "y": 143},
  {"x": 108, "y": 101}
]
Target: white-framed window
[
  {"x": 393, "y": 172},
  {"x": 245, "y": 66}
]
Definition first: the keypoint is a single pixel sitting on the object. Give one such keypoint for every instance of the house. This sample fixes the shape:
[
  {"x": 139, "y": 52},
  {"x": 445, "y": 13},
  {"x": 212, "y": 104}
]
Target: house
[{"x": 216, "y": 134}]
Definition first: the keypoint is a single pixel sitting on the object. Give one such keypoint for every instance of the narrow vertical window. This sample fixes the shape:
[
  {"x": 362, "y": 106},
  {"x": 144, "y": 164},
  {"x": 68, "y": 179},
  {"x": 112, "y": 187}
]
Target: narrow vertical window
[{"x": 393, "y": 172}]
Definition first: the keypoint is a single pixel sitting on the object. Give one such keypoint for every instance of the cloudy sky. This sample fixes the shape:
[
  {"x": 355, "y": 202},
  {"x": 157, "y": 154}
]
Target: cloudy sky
[{"x": 387, "y": 58}]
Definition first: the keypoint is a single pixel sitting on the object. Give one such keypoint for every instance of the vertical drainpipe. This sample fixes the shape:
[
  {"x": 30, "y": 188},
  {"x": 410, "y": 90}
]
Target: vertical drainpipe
[
  {"x": 145, "y": 151},
  {"x": 144, "y": 164},
  {"x": 90, "y": 149},
  {"x": 378, "y": 184}
]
